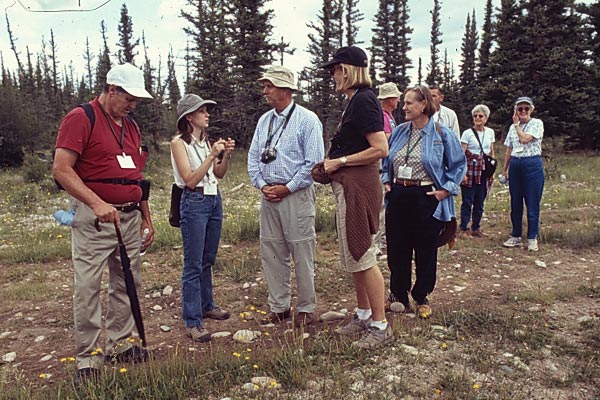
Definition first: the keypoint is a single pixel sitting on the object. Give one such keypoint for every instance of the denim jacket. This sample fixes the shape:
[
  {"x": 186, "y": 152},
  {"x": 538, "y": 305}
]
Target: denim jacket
[{"x": 443, "y": 159}]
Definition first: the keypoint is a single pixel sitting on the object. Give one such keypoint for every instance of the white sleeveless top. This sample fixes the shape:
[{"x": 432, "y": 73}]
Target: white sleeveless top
[{"x": 197, "y": 151}]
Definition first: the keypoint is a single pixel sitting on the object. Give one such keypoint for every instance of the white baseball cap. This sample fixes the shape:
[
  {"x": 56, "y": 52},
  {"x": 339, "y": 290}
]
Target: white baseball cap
[{"x": 130, "y": 78}]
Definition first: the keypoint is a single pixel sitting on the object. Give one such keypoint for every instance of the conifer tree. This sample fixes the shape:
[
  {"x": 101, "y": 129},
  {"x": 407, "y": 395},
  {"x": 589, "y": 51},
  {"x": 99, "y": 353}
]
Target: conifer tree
[
  {"x": 485, "y": 49},
  {"x": 88, "y": 57},
  {"x": 127, "y": 43},
  {"x": 468, "y": 87},
  {"x": 434, "y": 77},
  {"x": 171, "y": 84},
  {"x": 353, "y": 17},
  {"x": 104, "y": 64}
]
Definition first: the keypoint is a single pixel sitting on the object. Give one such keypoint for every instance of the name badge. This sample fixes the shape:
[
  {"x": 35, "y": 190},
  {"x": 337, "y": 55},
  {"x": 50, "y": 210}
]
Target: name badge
[
  {"x": 519, "y": 148},
  {"x": 125, "y": 161},
  {"x": 404, "y": 172}
]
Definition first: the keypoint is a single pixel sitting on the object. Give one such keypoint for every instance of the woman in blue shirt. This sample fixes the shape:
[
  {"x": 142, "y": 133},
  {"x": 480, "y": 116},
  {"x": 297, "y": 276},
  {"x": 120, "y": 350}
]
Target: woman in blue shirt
[{"x": 422, "y": 172}]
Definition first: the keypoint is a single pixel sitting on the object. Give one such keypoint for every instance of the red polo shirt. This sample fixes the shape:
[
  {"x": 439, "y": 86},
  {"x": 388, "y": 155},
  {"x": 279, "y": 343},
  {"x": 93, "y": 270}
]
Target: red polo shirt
[{"x": 98, "y": 152}]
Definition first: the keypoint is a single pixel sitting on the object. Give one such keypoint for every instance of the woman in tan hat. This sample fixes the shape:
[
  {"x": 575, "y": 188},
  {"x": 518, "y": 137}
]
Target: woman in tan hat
[{"x": 196, "y": 167}]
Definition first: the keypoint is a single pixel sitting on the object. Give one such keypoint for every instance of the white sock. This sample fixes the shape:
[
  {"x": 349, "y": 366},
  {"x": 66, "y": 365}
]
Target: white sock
[
  {"x": 381, "y": 325},
  {"x": 363, "y": 314}
]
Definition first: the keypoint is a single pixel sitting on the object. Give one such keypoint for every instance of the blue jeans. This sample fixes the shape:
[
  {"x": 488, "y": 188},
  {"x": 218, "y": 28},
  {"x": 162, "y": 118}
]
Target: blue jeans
[
  {"x": 201, "y": 220},
  {"x": 472, "y": 204},
  {"x": 526, "y": 183}
]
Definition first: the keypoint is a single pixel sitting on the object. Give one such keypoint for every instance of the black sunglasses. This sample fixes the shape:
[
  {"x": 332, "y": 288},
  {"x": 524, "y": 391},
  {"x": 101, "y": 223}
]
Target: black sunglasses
[{"x": 521, "y": 109}]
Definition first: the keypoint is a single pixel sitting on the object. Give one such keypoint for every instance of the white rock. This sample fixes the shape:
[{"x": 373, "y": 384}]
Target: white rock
[
  {"x": 409, "y": 349},
  {"x": 47, "y": 357},
  {"x": 157, "y": 308},
  {"x": 265, "y": 382},
  {"x": 167, "y": 290},
  {"x": 585, "y": 318},
  {"x": 39, "y": 339},
  {"x": 563, "y": 177},
  {"x": 165, "y": 328},
  {"x": 220, "y": 334},
  {"x": 540, "y": 263},
  {"x": 246, "y": 285},
  {"x": 246, "y": 335},
  {"x": 358, "y": 387},
  {"x": 155, "y": 295},
  {"x": 332, "y": 316},
  {"x": 344, "y": 310},
  {"x": 397, "y": 307},
  {"x": 556, "y": 262},
  {"x": 249, "y": 387},
  {"x": 9, "y": 357},
  {"x": 4, "y": 335},
  {"x": 458, "y": 288},
  {"x": 305, "y": 335}
]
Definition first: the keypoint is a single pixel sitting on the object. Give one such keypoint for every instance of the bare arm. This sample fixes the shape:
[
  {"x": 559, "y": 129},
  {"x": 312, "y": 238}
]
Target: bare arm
[
  {"x": 506, "y": 160},
  {"x": 220, "y": 167},
  {"x": 192, "y": 178},
  {"x": 377, "y": 150},
  {"x": 64, "y": 173}
]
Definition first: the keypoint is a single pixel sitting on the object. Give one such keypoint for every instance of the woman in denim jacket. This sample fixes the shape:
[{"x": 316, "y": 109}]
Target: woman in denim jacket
[{"x": 422, "y": 172}]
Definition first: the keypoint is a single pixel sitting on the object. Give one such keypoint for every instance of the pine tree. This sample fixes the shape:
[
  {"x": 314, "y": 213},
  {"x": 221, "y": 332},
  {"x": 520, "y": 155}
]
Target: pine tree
[
  {"x": 104, "y": 64},
  {"x": 420, "y": 73},
  {"x": 126, "y": 44},
  {"x": 171, "y": 83},
  {"x": 485, "y": 49},
  {"x": 353, "y": 17},
  {"x": 284, "y": 48},
  {"x": 468, "y": 87},
  {"x": 434, "y": 76},
  {"x": 88, "y": 57}
]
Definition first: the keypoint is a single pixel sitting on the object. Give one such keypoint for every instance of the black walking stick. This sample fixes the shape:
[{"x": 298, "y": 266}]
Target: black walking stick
[{"x": 129, "y": 284}]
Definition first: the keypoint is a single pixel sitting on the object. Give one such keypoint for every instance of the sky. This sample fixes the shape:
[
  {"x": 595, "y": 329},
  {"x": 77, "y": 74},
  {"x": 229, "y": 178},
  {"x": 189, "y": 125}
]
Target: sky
[{"x": 159, "y": 20}]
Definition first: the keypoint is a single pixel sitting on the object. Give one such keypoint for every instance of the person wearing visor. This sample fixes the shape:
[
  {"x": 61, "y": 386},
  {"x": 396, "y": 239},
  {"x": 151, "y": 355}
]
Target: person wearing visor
[
  {"x": 353, "y": 167},
  {"x": 196, "y": 166},
  {"x": 287, "y": 143},
  {"x": 99, "y": 161},
  {"x": 523, "y": 161}
]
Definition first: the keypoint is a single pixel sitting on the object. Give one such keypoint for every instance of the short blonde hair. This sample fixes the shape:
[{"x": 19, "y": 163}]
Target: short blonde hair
[{"x": 355, "y": 77}]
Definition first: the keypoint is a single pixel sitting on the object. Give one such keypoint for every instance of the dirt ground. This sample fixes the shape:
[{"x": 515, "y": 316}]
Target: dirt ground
[{"x": 558, "y": 285}]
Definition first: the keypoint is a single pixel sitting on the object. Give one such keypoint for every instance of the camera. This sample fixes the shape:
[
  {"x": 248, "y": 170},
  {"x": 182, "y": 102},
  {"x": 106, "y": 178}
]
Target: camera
[{"x": 269, "y": 154}]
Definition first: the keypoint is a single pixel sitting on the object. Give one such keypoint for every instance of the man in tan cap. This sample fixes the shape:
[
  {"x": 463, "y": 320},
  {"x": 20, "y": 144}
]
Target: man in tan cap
[
  {"x": 389, "y": 97},
  {"x": 99, "y": 161},
  {"x": 287, "y": 143}
]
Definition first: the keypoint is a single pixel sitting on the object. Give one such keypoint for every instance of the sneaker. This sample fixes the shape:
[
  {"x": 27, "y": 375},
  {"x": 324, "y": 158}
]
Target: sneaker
[
  {"x": 424, "y": 311},
  {"x": 375, "y": 337},
  {"x": 85, "y": 374},
  {"x": 513, "y": 242},
  {"x": 532, "y": 245},
  {"x": 198, "y": 334},
  {"x": 134, "y": 354},
  {"x": 275, "y": 317},
  {"x": 354, "y": 327},
  {"x": 216, "y": 313},
  {"x": 303, "y": 319}
]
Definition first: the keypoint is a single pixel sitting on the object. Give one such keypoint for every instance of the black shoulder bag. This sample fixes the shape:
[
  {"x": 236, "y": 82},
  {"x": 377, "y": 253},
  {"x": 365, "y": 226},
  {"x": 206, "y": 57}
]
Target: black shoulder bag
[{"x": 490, "y": 162}]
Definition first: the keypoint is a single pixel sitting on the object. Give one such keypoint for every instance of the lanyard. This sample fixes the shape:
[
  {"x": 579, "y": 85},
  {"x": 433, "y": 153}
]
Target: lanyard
[
  {"x": 200, "y": 158},
  {"x": 410, "y": 149},
  {"x": 282, "y": 126},
  {"x": 121, "y": 143}
]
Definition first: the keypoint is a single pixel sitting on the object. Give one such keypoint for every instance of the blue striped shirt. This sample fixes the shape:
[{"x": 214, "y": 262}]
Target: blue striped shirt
[{"x": 299, "y": 147}]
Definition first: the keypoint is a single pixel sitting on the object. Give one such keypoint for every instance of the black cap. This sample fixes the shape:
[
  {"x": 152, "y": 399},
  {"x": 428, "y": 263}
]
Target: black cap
[{"x": 350, "y": 55}]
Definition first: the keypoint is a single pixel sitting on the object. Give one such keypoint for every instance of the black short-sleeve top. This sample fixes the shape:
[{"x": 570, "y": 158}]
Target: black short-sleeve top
[{"x": 362, "y": 116}]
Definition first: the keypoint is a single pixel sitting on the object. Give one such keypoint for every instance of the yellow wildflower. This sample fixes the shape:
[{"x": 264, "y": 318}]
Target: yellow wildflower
[
  {"x": 42, "y": 376},
  {"x": 236, "y": 354},
  {"x": 438, "y": 392},
  {"x": 71, "y": 358},
  {"x": 255, "y": 366},
  {"x": 444, "y": 346},
  {"x": 64, "y": 359},
  {"x": 476, "y": 386},
  {"x": 246, "y": 358},
  {"x": 242, "y": 315},
  {"x": 252, "y": 308},
  {"x": 249, "y": 350},
  {"x": 130, "y": 340},
  {"x": 123, "y": 370}
]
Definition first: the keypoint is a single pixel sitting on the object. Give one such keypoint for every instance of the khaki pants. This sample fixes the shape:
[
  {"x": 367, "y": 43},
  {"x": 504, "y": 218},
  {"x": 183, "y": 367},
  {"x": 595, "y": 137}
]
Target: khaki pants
[
  {"x": 287, "y": 228},
  {"x": 92, "y": 251}
]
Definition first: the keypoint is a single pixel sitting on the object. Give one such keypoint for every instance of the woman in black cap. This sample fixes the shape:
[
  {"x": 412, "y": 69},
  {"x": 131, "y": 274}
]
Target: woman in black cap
[
  {"x": 196, "y": 167},
  {"x": 352, "y": 165}
]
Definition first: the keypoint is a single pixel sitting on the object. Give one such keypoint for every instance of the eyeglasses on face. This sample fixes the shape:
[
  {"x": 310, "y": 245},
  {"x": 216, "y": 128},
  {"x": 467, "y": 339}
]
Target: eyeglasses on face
[
  {"x": 521, "y": 109},
  {"x": 334, "y": 69},
  {"x": 478, "y": 116}
]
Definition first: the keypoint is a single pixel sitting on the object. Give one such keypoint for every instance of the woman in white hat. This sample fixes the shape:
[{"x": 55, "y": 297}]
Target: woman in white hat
[{"x": 196, "y": 167}]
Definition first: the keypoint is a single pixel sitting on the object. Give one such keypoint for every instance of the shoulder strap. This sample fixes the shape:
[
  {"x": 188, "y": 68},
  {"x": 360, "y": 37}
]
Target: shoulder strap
[
  {"x": 478, "y": 140},
  {"x": 89, "y": 111}
]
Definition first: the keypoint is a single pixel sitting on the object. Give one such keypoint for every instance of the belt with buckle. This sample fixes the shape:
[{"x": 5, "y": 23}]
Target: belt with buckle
[
  {"x": 197, "y": 189},
  {"x": 412, "y": 182},
  {"x": 127, "y": 207}
]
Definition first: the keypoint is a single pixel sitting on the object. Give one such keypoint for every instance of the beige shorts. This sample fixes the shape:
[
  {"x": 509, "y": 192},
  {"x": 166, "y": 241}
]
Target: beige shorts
[{"x": 369, "y": 259}]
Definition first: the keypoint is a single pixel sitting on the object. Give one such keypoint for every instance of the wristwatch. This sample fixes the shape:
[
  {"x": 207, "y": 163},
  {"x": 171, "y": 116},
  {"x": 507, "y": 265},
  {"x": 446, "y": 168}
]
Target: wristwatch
[{"x": 344, "y": 160}]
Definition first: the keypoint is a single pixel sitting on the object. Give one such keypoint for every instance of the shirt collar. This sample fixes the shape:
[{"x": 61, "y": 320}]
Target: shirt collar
[{"x": 285, "y": 111}]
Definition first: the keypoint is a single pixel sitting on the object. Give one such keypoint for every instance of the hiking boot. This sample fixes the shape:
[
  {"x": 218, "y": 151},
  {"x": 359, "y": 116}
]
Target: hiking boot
[
  {"x": 303, "y": 319},
  {"x": 354, "y": 327},
  {"x": 85, "y": 374},
  {"x": 134, "y": 354},
  {"x": 513, "y": 242},
  {"x": 532, "y": 245},
  {"x": 275, "y": 317},
  {"x": 464, "y": 234},
  {"x": 375, "y": 337},
  {"x": 216, "y": 313},
  {"x": 478, "y": 233},
  {"x": 424, "y": 311},
  {"x": 198, "y": 333}
]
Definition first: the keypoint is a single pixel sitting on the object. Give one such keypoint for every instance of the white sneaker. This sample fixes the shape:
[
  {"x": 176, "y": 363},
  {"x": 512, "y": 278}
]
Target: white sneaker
[
  {"x": 532, "y": 245},
  {"x": 513, "y": 242}
]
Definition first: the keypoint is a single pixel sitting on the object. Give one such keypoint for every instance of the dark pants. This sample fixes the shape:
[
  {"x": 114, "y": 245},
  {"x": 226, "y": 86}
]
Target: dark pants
[
  {"x": 526, "y": 183},
  {"x": 410, "y": 226},
  {"x": 472, "y": 205}
]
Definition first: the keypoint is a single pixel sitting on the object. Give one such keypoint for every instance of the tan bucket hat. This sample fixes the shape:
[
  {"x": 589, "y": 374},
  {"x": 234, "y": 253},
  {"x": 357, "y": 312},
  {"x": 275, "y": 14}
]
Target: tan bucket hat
[
  {"x": 387, "y": 90},
  {"x": 279, "y": 76}
]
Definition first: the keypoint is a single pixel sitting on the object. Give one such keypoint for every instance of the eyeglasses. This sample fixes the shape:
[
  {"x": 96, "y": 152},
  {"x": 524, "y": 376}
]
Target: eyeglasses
[
  {"x": 334, "y": 69},
  {"x": 478, "y": 116},
  {"x": 521, "y": 109}
]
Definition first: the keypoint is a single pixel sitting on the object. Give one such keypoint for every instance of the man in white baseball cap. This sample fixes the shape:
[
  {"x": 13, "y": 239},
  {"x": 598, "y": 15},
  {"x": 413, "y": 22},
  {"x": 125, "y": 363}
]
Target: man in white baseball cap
[{"x": 99, "y": 161}]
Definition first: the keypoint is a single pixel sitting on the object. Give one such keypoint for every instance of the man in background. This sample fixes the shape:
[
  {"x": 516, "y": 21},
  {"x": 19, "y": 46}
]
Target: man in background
[{"x": 443, "y": 114}]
